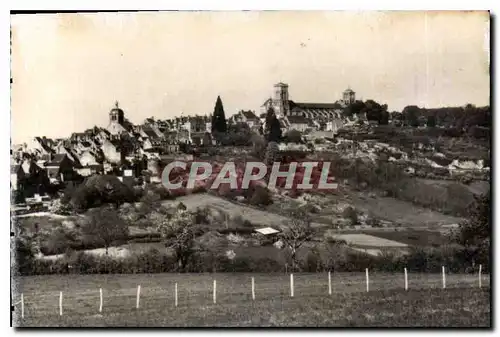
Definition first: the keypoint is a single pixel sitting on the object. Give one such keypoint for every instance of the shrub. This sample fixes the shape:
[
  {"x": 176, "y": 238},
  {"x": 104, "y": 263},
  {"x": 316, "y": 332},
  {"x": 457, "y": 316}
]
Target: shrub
[
  {"x": 294, "y": 136},
  {"x": 261, "y": 196},
  {"x": 351, "y": 214}
]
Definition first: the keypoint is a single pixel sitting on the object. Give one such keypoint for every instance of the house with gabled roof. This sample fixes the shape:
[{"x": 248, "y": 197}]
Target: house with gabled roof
[
  {"x": 299, "y": 123},
  {"x": 39, "y": 147},
  {"x": 112, "y": 153},
  {"x": 60, "y": 168},
  {"x": 246, "y": 116}
]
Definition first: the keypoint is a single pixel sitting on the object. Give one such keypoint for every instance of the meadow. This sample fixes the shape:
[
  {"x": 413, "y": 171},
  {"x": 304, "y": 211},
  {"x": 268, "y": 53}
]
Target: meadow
[{"x": 425, "y": 303}]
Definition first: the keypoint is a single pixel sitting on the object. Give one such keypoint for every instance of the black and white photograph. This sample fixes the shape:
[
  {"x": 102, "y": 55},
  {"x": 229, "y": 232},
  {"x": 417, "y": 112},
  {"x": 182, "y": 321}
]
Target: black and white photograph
[{"x": 251, "y": 169}]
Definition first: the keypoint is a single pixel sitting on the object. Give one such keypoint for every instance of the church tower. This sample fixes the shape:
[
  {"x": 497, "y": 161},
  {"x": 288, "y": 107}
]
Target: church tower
[
  {"x": 281, "y": 99},
  {"x": 116, "y": 115},
  {"x": 116, "y": 121},
  {"x": 348, "y": 96}
]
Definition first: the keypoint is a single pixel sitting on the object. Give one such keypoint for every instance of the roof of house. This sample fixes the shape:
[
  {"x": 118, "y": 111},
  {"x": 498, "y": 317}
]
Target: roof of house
[
  {"x": 267, "y": 230},
  {"x": 249, "y": 114},
  {"x": 150, "y": 132},
  {"x": 44, "y": 145},
  {"x": 78, "y": 134},
  {"x": 56, "y": 159}
]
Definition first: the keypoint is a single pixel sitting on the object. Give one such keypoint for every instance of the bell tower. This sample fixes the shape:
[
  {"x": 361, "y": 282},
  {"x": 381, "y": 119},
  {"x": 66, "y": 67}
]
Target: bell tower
[
  {"x": 281, "y": 99},
  {"x": 116, "y": 115},
  {"x": 348, "y": 96}
]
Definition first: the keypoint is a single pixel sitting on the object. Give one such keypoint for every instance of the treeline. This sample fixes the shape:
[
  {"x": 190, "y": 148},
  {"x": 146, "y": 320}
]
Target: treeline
[
  {"x": 455, "y": 258},
  {"x": 451, "y": 117}
]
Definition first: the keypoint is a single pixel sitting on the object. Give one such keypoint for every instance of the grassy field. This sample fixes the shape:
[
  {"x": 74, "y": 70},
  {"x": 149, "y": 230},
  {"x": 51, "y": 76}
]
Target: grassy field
[
  {"x": 416, "y": 238},
  {"x": 462, "y": 303}
]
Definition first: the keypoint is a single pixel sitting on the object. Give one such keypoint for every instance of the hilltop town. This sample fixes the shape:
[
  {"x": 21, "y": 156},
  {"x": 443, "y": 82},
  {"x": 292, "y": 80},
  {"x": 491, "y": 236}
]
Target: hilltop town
[
  {"x": 406, "y": 180},
  {"x": 135, "y": 151}
]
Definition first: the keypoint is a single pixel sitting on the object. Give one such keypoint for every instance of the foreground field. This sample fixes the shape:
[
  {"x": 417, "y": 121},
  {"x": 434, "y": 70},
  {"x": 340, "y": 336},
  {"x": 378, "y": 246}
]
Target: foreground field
[{"x": 462, "y": 303}]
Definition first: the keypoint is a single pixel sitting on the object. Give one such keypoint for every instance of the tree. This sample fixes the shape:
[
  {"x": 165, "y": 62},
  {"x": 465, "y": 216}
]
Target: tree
[
  {"x": 376, "y": 112},
  {"x": 354, "y": 109},
  {"x": 295, "y": 233},
  {"x": 258, "y": 144},
  {"x": 98, "y": 190},
  {"x": 431, "y": 121},
  {"x": 271, "y": 152},
  {"x": 178, "y": 234},
  {"x": 294, "y": 136},
  {"x": 219, "y": 123},
  {"x": 274, "y": 134},
  {"x": 477, "y": 228},
  {"x": 25, "y": 252},
  {"x": 104, "y": 227},
  {"x": 474, "y": 234},
  {"x": 411, "y": 114},
  {"x": 384, "y": 117},
  {"x": 269, "y": 118}
]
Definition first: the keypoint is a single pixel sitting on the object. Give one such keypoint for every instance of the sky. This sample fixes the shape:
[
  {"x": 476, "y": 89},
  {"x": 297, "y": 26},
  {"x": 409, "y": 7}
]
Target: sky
[{"x": 69, "y": 69}]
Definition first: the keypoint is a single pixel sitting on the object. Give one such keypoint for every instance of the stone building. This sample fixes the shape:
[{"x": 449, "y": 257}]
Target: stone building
[{"x": 284, "y": 106}]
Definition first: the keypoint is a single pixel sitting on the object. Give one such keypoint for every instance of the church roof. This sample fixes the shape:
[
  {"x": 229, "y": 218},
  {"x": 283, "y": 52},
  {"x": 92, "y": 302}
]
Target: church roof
[
  {"x": 297, "y": 120},
  {"x": 308, "y": 105}
]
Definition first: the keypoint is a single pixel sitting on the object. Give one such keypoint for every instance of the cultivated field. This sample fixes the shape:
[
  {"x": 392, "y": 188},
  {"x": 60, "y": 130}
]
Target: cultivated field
[
  {"x": 253, "y": 215},
  {"x": 425, "y": 303}
]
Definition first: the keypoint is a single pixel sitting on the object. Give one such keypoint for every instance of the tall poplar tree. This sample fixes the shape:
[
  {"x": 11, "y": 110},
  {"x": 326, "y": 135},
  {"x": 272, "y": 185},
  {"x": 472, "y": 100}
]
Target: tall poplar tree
[{"x": 219, "y": 123}]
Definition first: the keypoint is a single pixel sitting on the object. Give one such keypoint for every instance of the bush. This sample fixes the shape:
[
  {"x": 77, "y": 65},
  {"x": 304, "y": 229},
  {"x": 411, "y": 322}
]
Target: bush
[
  {"x": 98, "y": 190},
  {"x": 294, "y": 136},
  {"x": 351, "y": 214},
  {"x": 337, "y": 258},
  {"x": 261, "y": 196}
]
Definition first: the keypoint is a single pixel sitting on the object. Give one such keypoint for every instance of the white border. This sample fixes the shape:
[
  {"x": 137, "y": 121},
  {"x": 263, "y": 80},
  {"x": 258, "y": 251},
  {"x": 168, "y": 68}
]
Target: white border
[{"x": 186, "y": 5}]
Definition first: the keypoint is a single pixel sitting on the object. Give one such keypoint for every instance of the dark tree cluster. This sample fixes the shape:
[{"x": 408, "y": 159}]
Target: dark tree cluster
[
  {"x": 374, "y": 111},
  {"x": 273, "y": 128},
  {"x": 219, "y": 123},
  {"x": 450, "y": 117}
]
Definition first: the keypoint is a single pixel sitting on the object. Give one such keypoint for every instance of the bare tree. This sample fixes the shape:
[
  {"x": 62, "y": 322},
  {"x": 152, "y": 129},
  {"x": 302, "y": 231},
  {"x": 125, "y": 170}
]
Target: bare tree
[
  {"x": 178, "y": 234},
  {"x": 105, "y": 227},
  {"x": 295, "y": 233}
]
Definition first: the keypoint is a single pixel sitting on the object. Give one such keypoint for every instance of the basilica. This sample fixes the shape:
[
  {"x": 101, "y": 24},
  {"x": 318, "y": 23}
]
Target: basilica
[{"x": 303, "y": 115}]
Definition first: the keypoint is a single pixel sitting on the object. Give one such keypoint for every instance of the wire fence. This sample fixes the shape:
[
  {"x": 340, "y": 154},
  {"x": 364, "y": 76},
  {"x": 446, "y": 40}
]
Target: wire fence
[{"x": 85, "y": 295}]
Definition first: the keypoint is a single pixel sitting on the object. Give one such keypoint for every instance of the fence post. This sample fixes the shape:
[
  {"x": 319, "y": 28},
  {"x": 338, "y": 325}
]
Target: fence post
[
  {"x": 253, "y": 289},
  {"x": 291, "y": 285},
  {"x": 329, "y": 283},
  {"x": 480, "y": 269},
  {"x": 22, "y": 305},
  {"x": 406, "y": 279},
  {"x": 138, "y": 296},
  {"x": 60, "y": 303},
  {"x": 444, "y": 277},
  {"x": 100, "y": 299},
  {"x": 176, "y": 294},
  {"x": 215, "y": 291},
  {"x": 367, "y": 281}
]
